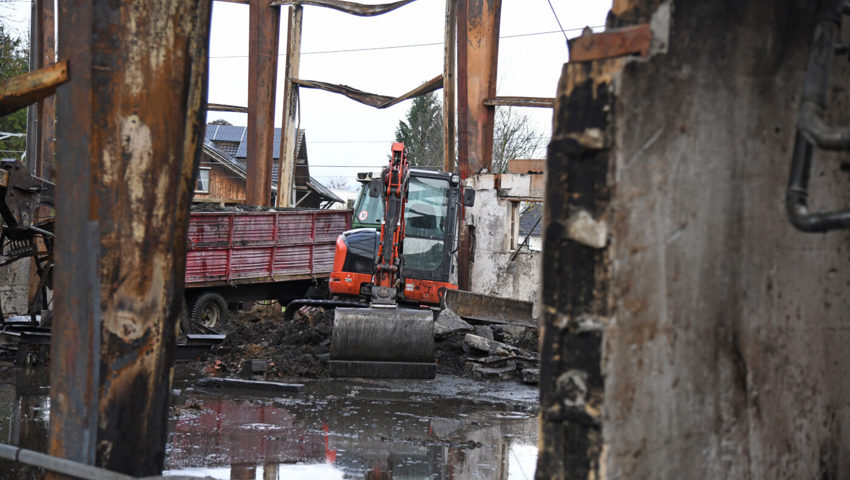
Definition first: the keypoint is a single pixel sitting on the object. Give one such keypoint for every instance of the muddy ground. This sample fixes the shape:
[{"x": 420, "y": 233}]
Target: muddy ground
[{"x": 299, "y": 349}]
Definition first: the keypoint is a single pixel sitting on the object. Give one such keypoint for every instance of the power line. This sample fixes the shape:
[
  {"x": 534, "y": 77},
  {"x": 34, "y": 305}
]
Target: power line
[
  {"x": 559, "y": 21},
  {"x": 415, "y": 45}
]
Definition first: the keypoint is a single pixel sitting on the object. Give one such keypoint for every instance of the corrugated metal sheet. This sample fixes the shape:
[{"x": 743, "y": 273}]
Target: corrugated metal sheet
[{"x": 254, "y": 246}]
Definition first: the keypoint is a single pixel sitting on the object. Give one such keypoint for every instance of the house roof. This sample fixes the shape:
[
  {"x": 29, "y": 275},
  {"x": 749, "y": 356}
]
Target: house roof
[
  {"x": 224, "y": 159},
  {"x": 233, "y": 133},
  {"x": 530, "y": 220},
  {"x": 229, "y": 133}
]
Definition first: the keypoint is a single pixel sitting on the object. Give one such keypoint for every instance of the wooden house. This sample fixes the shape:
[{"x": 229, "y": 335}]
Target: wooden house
[{"x": 222, "y": 171}]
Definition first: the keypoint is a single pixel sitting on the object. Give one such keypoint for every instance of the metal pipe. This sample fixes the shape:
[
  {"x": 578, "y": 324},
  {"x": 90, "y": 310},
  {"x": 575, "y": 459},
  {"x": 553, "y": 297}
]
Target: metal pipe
[
  {"x": 57, "y": 464},
  {"x": 813, "y": 131}
]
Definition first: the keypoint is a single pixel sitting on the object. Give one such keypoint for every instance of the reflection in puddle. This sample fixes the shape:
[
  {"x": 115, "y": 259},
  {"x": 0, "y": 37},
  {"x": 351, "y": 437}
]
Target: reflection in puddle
[
  {"x": 336, "y": 430},
  {"x": 330, "y": 430}
]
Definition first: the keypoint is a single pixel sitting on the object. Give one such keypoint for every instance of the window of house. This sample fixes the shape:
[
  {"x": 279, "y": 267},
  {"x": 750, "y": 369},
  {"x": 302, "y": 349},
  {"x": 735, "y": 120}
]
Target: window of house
[
  {"x": 525, "y": 225},
  {"x": 203, "y": 183}
]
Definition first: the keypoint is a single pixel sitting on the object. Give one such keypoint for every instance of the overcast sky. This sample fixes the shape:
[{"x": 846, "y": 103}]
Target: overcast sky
[{"x": 343, "y": 136}]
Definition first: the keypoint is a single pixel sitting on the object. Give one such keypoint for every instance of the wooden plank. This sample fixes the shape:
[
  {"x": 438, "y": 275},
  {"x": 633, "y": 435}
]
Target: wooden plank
[{"x": 634, "y": 40}]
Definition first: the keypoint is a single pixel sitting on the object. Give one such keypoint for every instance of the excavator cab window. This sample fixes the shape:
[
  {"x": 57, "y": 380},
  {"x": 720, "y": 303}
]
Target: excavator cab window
[
  {"x": 368, "y": 210},
  {"x": 425, "y": 223}
]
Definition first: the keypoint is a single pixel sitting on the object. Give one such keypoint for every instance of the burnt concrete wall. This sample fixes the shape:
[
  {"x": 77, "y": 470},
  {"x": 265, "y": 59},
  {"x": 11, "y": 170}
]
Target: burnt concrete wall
[
  {"x": 14, "y": 287},
  {"x": 725, "y": 349},
  {"x": 495, "y": 268}
]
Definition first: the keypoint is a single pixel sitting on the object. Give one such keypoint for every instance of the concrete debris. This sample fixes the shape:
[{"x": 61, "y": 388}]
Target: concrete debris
[
  {"x": 449, "y": 322},
  {"x": 495, "y": 348},
  {"x": 483, "y": 331},
  {"x": 480, "y": 372}
]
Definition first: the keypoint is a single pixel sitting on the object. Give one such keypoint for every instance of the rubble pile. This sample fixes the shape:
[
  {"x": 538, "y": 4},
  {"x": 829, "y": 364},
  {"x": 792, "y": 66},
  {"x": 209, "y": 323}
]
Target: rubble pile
[
  {"x": 261, "y": 345},
  {"x": 491, "y": 351}
]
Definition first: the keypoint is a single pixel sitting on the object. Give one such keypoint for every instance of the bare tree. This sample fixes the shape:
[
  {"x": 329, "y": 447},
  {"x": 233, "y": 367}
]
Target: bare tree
[
  {"x": 338, "y": 183},
  {"x": 513, "y": 137}
]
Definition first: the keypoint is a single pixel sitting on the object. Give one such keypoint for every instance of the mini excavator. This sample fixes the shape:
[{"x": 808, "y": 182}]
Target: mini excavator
[{"x": 388, "y": 281}]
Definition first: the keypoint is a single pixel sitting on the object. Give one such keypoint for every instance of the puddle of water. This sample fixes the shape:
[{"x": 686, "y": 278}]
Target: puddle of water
[{"x": 329, "y": 430}]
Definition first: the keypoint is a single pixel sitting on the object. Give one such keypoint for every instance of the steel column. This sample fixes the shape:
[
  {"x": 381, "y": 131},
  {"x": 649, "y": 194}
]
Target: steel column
[
  {"x": 46, "y": 50},
  {"x": 449, "y": 87},
  {"x": 130, "y": 128},
  {"x": 288, "y": 131},
  {"x": 477, "y": 53},
  {"x": 477, "y": 56},
  {"x": 264, "y": 28}
]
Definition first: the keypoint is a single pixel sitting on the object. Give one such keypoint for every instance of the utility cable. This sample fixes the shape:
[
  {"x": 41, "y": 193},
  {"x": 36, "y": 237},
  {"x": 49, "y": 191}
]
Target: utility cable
[
  {"x": 413, "y": 45},
  {"x": 559, "y": 22}
]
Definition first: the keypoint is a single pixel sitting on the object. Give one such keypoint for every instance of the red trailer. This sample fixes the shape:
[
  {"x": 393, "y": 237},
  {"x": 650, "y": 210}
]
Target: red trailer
[{"x": 248, "y": 256}]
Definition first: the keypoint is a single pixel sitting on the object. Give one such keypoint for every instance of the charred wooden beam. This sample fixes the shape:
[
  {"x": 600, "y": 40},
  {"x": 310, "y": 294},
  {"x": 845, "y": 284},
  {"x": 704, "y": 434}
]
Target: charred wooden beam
[
  {"x": 289, "y": 129},
  {"x": 536, "y": 102},
  {"x": 22, "y": 90},
  {"x": 352, "y": 8},
  {"x": 633, "y": 40},
  {"x": 373, "y": 99},
  {"x": 130, "y": 126},
  {"x": 576, "y": 273},
  {"x": 220, "y": 107},
  {"x": 264, "y": 28}
]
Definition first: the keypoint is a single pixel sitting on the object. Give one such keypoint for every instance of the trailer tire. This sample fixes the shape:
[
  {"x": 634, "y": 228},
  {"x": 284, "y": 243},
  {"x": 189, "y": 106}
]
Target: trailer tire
[{"x": 210, "y": 310}]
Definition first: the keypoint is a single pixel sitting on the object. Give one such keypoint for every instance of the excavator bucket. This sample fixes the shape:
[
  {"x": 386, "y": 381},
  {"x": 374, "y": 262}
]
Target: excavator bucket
[{"x": 383, "y": 343}]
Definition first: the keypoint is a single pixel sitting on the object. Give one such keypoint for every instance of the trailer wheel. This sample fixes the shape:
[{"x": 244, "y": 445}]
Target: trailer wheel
[{"x": 210, "y": 310}]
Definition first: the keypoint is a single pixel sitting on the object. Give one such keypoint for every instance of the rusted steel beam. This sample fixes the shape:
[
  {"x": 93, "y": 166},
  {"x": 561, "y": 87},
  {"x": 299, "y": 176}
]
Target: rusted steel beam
[
  {"x": 289, "y": 128},
  {"x": 477, "y": 55},
  {"x": 219, "y": 107},
  {"x": 478, "y": 52},
  {"x": 634, "y": 40},
  {"x": 538, "y": 102},
  {"x": 22, "y": 90},
  {"x": 373, "y": 99},
  {"x": 45, "y": 164},
  {"x": 449, "y": 86},
  {"x": 353, "y": 8},
  {"x": 130, "y": 128},
  {"x": 264, "y": 28}
]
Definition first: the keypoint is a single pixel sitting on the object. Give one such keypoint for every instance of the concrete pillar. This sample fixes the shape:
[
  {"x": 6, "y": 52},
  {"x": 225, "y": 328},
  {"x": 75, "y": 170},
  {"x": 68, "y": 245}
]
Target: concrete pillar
[{"x": 690, "y": 330}]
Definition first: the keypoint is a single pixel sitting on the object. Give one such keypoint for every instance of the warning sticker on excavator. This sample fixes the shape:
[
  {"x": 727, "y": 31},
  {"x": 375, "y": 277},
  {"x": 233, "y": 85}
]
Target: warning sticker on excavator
[{"x": 362, "y": 215}]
